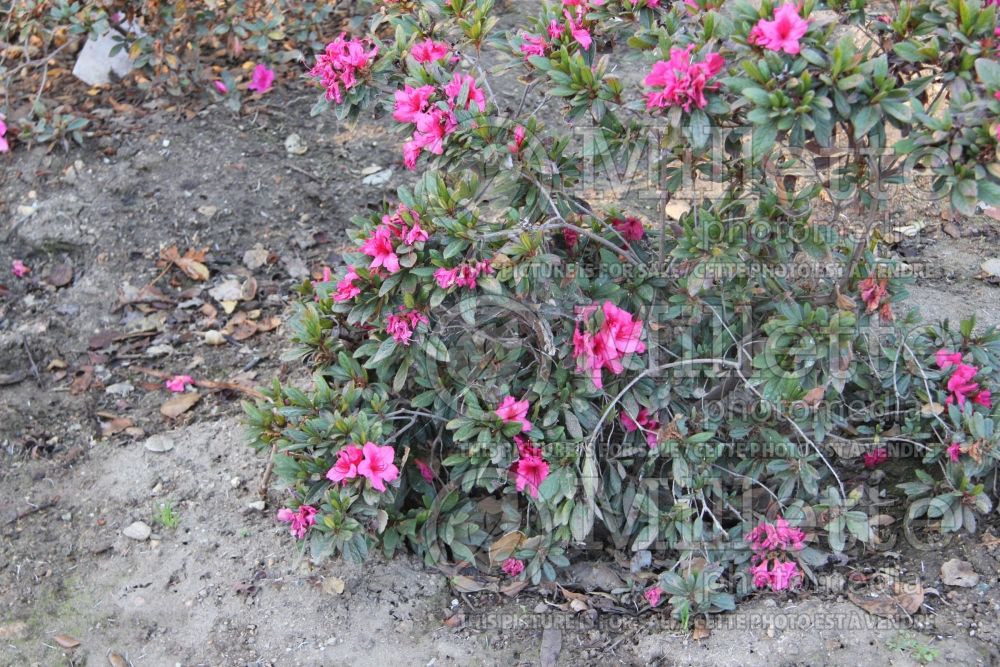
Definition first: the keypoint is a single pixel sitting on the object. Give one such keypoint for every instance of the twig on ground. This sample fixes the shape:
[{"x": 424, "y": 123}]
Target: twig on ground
[{"x": 206, "y": 384}]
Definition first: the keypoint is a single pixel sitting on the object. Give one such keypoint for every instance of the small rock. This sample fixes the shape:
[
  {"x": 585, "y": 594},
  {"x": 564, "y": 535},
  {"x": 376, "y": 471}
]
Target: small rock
[
  {"x": 208, "y": 211},
  {"x": 956, "y": 572},
  {"x": 294, "y": 145},
  {"x": 228, "y": 290},
  {"x": 66, "y": 516},
  {"x": 214, "y": 338},
  {"x": 296, "y": 268},
  {"x": 159, "y": 443},
  {"x": 991, "y": 267},
  {"x": 138, "y": 531},
  {"x": 235, "y": 482},
  {"x": 159, "y": 350},
  {"x": 257, "y": 505},
  {"x": 378, "y": 178},
  {"x": 120, "y": 389}
]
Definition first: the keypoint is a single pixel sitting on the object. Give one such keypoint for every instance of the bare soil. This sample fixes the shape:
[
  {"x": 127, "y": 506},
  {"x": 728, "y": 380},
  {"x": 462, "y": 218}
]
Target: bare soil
[{"x": 225, "y": 586}]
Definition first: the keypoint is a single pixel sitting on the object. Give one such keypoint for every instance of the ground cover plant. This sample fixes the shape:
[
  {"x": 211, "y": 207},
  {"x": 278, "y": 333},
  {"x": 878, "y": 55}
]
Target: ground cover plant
[
  {"x": 655, "y": 319},
  {"x": 507, "y": 373}
]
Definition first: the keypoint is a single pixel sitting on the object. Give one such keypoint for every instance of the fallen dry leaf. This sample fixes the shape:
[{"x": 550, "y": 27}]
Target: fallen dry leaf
[
  {"x": 504, "y": 547},
  {"x": 115, "y": 425},
  {"x": 66, "y": 641},
  {"x": 178, "y": 405},
  {"x": 115, "y": 660},
  {"x": 814, "y": 395},
  {"x": 455, "y": 620},
  {"x": 191, "y": 263},
  {"x": 700, "y": 630},
  {"x": 907, "y": 598},
  {"x": 333, "y": 586},
  {"x": 464, "y": 584}
]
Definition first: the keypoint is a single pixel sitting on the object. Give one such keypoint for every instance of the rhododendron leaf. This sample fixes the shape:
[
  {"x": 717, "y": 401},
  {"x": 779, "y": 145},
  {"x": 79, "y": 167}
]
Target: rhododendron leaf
[
  {"x": 436, "y": 349},
  {"x": 385, "y": 350}
]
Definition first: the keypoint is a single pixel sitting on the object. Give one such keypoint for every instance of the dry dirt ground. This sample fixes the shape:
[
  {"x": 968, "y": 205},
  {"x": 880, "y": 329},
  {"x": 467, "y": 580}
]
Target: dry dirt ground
[{"x": 224, "y": 585}]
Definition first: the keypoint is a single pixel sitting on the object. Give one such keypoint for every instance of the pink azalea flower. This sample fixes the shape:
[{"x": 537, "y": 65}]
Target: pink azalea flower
[
  {"x": 346, "y": 467},
  {"x": 631, "y": 229},
  {"x": 515, "y": 147},
  {"x": 555, "y": 29},
  {"x": 874, "y": 293},
  {"x": 338, "y": 66},
  {"x": 513, "y": 410},
  {"x": 432, "y": 127},
  {"x": 513, "y": 567},
  {"x": 300, "y": 519},
  {"x": 411, "y": 153},
  {"x": 179, "y": 383},
  {"x": 784, "y": 575},
  {"x": 622, "y": 329},
  {"x": 653, "y": 595},
  {"x": 530, "y": 472},
  {"x": 777, "y": 536},
  {"x": 783, "y": 33},
  {"x": 262, "y": 79},
  {"x": 379, "y": 247},
  {"x": 401, "y": 326},
  {"x": 571, "y": 237},
  {"x": 425, "y": 470},
  {"x": 876, "y": 458},
  {"x": 532, "y": 46},
  {"x": 428, "y": 51},
  {"x": 961, "y": 385},
  {"x": 464, "y": 275},
  {"x": 954, "y": 452},
  {"x": 415, "y": 234},
  {"x": 983, "y": 398},
  {"x": 410, "y": 102},
  {"x": 526, "y": 448},
  {"x": 377, "y": 465},
  {"x": 454, "y": 89},
  {"x": 945, "y": 358},
  {"x": 346, "y": 289},
  {"x": 4, "y": 146},
  {"x": 19, "y": 269},
  {"x": 683, "y": 82},
  {"x": 643, "y": 421},
  {"x": 221, "y": 87}
]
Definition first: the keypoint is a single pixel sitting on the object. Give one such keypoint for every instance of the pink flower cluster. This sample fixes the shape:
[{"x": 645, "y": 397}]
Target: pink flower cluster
[
  {"x": 513, "y": 410},
  {"x": 400, "y": 326},
  {"x": 429, "y": 51},
  {"x": 346, "y": 289},
  {"x": 783, "y": 33},
  {"x": 260, "y": 81},
  {"x": 337, "y": 67},
  {"x": 4, "y": 146},
  {"x": 771, "y": 544},
  {"x": 954, "y": 451},
  {"x": 618, "y": 335},
  {"x": 464, "y": 275},
  {"x": 381, "y": 245},
  {"x": 179, "y": 383},
  {"x": 631, "y": 229},
  {"x": 653, "y": 595},
  {"x": 960, "y": 384},
  {"x": 644, "y": 422},
  {"x": 300, "y": 519},
  {"x": 512, "y": 567},
  {"x": 576, "y": 26},
  {"x": 683, "y": 82},
  {"x": 19, "y": 269},
  {"x": 531, "y": 468},
  {"x": 371, "y": 461},
  {"x": 876, "y": 457},
  {"x": 433, "y": 120}
]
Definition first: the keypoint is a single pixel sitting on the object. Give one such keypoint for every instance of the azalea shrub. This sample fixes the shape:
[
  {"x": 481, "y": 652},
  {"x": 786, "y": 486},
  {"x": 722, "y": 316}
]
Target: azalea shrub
[{"x": 647, "y": 310}]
